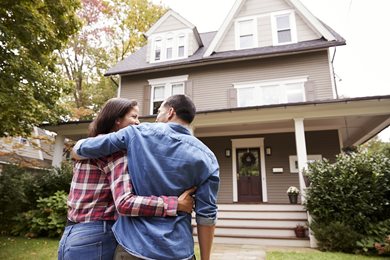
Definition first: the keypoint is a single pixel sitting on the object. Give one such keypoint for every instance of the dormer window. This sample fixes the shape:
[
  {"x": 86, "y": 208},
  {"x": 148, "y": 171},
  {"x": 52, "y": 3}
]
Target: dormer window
[
  {"x": 246, "y": 33},
  {"x": 157, "y": 50},
  {"x": 283, "y": 28},
  {"x": 170, "y": 46},
  {"x": 180, "y": 48}
]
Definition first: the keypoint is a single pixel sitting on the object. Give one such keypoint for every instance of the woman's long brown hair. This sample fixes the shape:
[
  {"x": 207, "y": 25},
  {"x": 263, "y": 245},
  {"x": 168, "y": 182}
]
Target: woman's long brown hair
[{"x": 113, "y": 109}]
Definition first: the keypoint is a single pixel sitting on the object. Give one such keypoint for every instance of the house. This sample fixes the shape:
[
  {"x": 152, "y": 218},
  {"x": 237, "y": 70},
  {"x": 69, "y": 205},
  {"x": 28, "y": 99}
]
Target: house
[
  {"x": 266, "y": 101},
  {"x": 33, "y": 152}
]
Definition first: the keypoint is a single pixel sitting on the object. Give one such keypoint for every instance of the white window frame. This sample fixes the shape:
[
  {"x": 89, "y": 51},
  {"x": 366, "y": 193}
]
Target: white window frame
[
  {"x": 167, "y": 83},
  {"x": 281, "y": 83},
  {"x": 175, "y": 45},
  {"x": 237, "y": 32},
  {"x": 293, "y": 27},
  {"x": 293, "y": 161}
]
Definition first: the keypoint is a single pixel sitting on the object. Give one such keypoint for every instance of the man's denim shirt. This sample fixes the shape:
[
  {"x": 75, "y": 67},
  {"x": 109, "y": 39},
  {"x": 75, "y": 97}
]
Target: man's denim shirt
[{"x": 164, "y": 159}]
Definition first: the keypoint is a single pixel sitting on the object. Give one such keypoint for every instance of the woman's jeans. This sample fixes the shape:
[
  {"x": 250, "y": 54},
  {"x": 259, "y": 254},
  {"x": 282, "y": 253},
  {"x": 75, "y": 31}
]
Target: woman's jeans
[{"x": 89, "y": 240}]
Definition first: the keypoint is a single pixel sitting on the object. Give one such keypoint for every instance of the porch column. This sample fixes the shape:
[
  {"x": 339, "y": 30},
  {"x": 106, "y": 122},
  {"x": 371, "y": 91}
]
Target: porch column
[
  {"x": 301, "y": 153},
  {"x": 58, "y": 150}
]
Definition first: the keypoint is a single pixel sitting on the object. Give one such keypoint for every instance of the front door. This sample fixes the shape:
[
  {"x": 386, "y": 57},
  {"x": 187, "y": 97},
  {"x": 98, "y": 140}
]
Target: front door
[{"x": 248, "y": 175}]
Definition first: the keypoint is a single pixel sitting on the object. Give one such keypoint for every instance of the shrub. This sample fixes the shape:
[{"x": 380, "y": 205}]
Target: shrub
[
  {"x": 353, "y": 192},
  {"x": 48, "y": 219},
  {"x": 21, "y": 188}
]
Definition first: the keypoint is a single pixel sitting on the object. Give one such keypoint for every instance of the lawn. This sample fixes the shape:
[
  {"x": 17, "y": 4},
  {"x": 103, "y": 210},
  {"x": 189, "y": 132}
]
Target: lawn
[{"x": 45, "y": 248}]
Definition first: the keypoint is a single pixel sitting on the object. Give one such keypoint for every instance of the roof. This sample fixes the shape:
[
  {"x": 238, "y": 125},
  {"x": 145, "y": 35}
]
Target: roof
[{"x": 137, "y": 64}]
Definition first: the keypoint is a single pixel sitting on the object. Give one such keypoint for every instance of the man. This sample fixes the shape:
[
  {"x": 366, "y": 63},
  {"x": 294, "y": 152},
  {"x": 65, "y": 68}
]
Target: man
[{"x": 164, "y": 158}]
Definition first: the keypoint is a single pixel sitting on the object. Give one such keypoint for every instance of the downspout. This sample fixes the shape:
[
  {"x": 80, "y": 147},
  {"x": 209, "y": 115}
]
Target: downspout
[{"x": 334, "y": 75}]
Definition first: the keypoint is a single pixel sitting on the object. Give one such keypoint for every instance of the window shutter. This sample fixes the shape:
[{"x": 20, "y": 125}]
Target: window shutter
[
  {"x": 310, "y": 90},
  {"x": 188, "y": 88},
  {"x": 146, "y": 103},
  {"x": 232, "y": 97}
]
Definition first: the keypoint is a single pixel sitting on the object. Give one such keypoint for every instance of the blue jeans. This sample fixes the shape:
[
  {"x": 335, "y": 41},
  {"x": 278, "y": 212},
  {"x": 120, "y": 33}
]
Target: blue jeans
[{"x": 90, "y": 240}]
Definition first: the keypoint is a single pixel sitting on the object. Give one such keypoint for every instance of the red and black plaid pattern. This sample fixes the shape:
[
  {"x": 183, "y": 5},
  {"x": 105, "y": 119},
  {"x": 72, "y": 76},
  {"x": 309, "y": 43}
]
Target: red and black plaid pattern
[{"x": 101, "y": 185}]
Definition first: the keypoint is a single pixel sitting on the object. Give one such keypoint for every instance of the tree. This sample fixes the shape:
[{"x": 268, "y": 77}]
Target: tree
[
  {"x": 99, "y": 45},
  {"x": 30, "y": 32}
]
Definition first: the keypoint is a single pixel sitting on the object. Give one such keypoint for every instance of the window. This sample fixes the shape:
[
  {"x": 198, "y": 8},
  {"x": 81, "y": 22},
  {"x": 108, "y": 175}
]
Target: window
[
  {"x": 180, "y": 48},
  {"x": 163, "y": 88},
  {"x": 169, "y": 46},
  {"x": 157, "y": 50},
  {"x": 246, "y": 34},
  {"x": 267, "y": 93},
  {"x": 283, "y": 24}
]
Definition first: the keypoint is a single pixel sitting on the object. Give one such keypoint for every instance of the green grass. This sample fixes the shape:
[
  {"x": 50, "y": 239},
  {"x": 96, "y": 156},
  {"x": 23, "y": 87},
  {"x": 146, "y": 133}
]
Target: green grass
[
  {"x": 38, "y": 248},
  {"x": 24, "y": 248},
  {"x": 317, "y": 255}
]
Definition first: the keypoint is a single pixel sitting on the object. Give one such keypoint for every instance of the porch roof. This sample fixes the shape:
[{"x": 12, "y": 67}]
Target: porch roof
[{"x": 357, "y": 119}]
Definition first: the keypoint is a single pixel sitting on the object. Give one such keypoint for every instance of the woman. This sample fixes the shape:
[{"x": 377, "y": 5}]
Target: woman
[{"x": 101, "y": 187}]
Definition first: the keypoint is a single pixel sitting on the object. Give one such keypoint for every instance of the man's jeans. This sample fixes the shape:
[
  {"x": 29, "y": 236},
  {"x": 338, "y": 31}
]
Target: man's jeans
[{"x": 90, "y": 240}]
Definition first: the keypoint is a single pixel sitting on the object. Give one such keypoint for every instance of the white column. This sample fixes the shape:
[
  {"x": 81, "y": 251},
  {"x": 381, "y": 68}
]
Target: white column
[
  {"x": 301, "y": 153},
  {"x": 58, "y": 150}
]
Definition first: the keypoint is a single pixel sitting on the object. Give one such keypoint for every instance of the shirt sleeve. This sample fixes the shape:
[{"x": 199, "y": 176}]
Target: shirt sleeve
[
  {"x": 206, "y": 200},
  {"x": 103, "y": 145},
  {"x": 129, "y": 204}
]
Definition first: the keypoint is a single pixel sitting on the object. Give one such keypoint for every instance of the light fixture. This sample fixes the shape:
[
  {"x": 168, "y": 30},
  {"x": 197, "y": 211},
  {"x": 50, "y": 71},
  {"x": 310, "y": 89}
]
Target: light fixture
[
  {"x": 228, "y": 152},
  {"x": 268, "y": 151}
]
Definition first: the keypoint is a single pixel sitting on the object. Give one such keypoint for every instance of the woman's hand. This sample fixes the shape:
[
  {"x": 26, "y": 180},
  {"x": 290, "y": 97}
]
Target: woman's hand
[{"x": 185, "y": 201}]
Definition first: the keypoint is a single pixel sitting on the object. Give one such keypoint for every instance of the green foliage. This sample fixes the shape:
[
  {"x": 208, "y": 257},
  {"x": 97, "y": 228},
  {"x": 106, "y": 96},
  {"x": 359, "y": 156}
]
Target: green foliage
[
  {"x": 20, "y": 190},
  {"x": 351, "y": 196},
  {"x": 48, "y": 219},
  {"x": 30, "y": 32}
]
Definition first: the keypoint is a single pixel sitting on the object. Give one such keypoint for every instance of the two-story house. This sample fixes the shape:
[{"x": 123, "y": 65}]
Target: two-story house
[{"x": 266, "y": 103}]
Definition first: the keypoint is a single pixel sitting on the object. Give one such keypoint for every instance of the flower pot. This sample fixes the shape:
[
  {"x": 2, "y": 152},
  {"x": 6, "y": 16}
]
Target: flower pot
[{"x": 293, "y": 198}]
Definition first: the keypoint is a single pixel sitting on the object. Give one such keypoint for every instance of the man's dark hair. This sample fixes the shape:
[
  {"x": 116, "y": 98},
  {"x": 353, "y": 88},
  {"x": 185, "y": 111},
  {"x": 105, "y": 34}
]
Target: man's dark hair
[
  {"x": 113, "y": 109},
  {"x": 183, "y": 106}
]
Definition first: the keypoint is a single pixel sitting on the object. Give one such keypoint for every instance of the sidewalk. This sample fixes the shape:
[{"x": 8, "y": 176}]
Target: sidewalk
[{"x": 237, "y": 252}]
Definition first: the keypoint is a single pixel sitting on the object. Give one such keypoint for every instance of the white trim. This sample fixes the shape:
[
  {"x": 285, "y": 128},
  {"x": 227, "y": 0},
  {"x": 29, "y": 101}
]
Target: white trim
[
  {"x": 160, "y": 81},
  {"x": 119, "y": 90},
  {"x": 225, "y": 25},
  {"x": 300, "y": 141},
  {"x": 313, "y": 20},
  {"x": 373, "y": 132},
  {"x": 58, "y": 150},
  {"x": 254, "y": 31},
  {"x": 292, "y": 23},
  {"x": 266, "y": 82},
  {"x": 332, "y": 76},
  {"x": 249, "y": 143},
  {"x": 340, "y": 139}
]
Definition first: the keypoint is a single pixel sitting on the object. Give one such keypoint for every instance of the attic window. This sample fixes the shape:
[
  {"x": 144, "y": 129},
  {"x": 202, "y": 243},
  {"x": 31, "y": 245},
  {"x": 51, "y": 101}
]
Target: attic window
[
  {"x": 169, "y": 46},
  {"x": 246, "y": 36},
  {"x": 283, "y": 28}
]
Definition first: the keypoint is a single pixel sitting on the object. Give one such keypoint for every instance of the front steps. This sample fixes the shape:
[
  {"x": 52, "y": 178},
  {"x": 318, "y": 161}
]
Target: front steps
[{"x": 259, "y": 224}]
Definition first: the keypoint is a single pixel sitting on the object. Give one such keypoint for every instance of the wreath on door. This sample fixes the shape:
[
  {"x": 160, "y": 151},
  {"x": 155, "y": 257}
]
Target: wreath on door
[{"x": 248, "y": 159}]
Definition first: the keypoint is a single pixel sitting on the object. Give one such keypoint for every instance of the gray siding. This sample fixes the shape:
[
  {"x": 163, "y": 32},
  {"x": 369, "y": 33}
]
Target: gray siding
[
  {"x": 192, "y": 44},
  {"x": 283, "y": 145},
  {"x": 211, "y": 84},
  {"x": 170, "y": 24},
  {"x": 262, "y": 10}
]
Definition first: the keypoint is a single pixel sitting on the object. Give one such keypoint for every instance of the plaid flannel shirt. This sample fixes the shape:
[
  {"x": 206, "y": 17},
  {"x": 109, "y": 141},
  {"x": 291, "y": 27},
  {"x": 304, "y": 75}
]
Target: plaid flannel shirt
[{"x": 101, "y": 185}]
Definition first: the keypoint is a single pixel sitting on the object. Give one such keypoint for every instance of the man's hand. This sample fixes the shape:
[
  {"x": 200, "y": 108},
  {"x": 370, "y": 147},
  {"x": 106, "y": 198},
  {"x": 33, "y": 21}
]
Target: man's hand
[{"x": 186, "y": 201}]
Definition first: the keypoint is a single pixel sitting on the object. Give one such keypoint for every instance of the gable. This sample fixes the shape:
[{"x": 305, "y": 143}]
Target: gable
[
  {"x": 263, "y": 18},
  {"x": 171, "y": 24}
]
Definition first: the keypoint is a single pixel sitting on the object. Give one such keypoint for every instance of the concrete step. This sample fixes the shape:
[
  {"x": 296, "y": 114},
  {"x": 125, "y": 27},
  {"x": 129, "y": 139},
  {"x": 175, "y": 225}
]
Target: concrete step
[
  {"x": 260, "y": 207},
  {"x": 224, "y": 214},
  {"x": 263, "y": 241},
  {"x": 250, "y": 231}
]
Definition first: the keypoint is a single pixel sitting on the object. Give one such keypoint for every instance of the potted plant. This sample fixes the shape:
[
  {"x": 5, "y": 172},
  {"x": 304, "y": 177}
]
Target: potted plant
[
  {"x": 300, "y": 231},
  {"x": 292, "y": 193}
]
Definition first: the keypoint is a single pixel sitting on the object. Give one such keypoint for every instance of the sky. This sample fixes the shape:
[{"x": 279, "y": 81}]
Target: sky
[{"x": 362, "y": 67}]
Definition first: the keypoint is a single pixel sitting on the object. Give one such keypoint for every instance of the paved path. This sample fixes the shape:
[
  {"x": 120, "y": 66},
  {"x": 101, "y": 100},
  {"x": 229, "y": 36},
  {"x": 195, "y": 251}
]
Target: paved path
[{"x": 237, "y": 252}]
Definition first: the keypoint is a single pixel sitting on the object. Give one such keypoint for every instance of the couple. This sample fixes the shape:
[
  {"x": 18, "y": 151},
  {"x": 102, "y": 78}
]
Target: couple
[{"x": 163, "y": 159}]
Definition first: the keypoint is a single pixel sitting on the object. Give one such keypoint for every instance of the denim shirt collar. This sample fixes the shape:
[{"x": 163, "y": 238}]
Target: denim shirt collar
[{"x": 179, "y": 128}]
